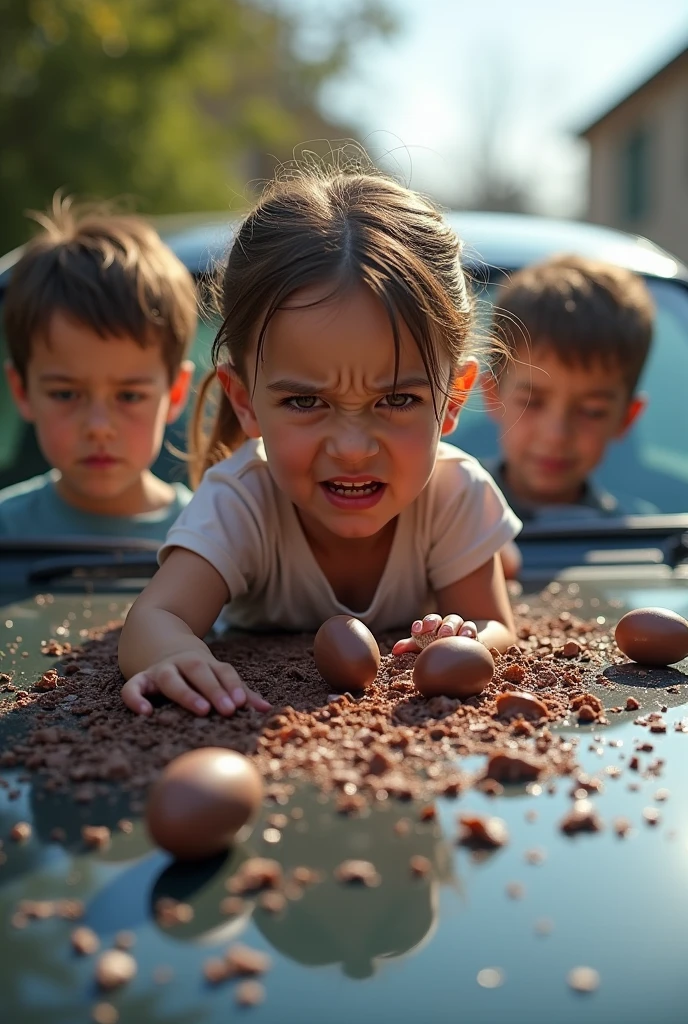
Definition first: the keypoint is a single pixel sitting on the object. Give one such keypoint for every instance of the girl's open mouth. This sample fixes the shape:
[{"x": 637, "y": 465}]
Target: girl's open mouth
[{"x": 353, "y": 494}]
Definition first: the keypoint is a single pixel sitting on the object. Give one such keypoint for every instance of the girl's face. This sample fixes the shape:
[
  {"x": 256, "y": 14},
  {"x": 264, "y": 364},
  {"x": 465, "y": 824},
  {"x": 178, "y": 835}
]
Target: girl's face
[{"x": 346, "y": 450}]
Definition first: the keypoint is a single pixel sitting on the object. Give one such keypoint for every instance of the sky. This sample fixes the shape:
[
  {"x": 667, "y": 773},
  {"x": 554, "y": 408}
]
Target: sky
[{"x": 512, "y": 79}]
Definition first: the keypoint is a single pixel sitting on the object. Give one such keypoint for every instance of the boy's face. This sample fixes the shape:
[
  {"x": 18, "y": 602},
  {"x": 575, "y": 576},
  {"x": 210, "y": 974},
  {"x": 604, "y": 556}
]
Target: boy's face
[
  {"x": 556, "y": 420},
  {"x": 99, "y": 407}
]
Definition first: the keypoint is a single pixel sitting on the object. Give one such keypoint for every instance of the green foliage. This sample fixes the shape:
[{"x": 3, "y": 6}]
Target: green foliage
[{"x": 172, "y": 102}]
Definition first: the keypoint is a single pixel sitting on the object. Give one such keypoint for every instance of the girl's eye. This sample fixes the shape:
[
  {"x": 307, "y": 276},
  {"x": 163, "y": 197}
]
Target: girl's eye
[
  {"x": 302, "y": 403},
  {"x": 130, "y": 397},
  {"x": 401, "y": 401}
]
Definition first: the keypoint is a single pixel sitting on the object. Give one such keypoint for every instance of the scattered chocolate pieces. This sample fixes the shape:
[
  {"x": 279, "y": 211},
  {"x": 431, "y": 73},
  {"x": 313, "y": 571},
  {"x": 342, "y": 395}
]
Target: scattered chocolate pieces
[
  {"x": 490, "y": 977},
  {"x": 583, "y": 979},
  {"x": 480, "y": 830},
  {"x": 581, "y": 818},
  {"x": 21, "y": 832},
  {"x": 85, "y": 941},
  {"x": 115, "y": 968},
  {"x": 357, "y": 871},
  {"x": 420, "y": 866},
  {"x": 96, "y": 836},
  {"x": 104, "y": 1013},
  {"x": 249, "y": 993}
]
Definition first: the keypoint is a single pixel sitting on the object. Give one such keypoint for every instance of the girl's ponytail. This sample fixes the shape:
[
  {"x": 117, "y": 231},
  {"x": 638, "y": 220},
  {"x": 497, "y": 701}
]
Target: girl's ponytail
[{"x": 214, "y": 431}]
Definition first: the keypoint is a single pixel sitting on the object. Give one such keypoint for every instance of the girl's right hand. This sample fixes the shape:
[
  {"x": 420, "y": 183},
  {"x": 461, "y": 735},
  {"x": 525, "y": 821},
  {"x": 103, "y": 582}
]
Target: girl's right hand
[{"x": 193, "y": 681}]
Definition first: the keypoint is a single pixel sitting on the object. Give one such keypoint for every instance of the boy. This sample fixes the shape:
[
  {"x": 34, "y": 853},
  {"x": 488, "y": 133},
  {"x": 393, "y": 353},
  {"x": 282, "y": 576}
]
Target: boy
[
  {"x": 577, "y": 333},
  {"x": 99, "y": 315},
  {"x": 574, "y": 334}
]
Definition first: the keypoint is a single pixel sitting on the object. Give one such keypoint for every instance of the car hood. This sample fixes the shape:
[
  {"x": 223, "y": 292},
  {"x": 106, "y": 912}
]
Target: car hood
[{"x": 407, "y": 951}]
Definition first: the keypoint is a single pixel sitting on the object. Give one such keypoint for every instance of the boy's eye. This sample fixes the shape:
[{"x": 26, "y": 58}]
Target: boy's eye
[
  {"x": 594, "y": 414},
  {"x": 130, "y": 397},
  {"x": 400, "y": 401},
  {"x": 63, "y": 395}
]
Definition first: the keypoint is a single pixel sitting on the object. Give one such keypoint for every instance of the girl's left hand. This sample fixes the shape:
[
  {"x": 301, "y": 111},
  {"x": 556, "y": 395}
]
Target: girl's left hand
[{"x": 433, "y": 627}]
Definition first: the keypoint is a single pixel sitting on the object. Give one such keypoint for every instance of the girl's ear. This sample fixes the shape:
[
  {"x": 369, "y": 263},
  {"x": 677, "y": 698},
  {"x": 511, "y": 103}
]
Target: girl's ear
[
  {"x": 18, "y": 391},
  {"x": 240, "y": 399},
  {"x": 461, "y": 385}
]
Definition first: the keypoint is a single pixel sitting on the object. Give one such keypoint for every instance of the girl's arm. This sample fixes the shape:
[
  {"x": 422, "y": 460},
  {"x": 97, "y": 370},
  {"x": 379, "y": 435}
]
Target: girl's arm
[
  {"x": 477, "y": 604},
  {"x": 161, "y": 649}
]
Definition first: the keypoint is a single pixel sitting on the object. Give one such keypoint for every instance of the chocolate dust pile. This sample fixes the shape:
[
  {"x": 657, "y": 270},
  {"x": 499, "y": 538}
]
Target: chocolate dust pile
[{"x": 74, "y": 731}]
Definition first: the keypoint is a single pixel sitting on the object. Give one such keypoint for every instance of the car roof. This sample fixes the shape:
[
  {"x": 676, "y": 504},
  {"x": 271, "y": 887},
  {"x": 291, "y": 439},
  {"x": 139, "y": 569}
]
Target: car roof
[{"x": 503, "y": 241}]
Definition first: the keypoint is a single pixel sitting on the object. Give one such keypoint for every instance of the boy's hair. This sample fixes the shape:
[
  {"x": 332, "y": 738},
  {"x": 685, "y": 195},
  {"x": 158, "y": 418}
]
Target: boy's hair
[
  {"x": 111, "y": 272},
  {"x": 336, "y": 226},
  {"x": 580, "y": 309}
]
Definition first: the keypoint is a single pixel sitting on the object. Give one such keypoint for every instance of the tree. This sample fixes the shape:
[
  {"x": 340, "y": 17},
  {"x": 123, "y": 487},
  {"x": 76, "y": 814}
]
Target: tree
[{"x": 159, "y": 99}]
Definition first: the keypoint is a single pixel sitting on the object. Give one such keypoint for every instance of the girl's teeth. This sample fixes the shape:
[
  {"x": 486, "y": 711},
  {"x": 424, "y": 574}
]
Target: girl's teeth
[{"x": 350, "y": 490}]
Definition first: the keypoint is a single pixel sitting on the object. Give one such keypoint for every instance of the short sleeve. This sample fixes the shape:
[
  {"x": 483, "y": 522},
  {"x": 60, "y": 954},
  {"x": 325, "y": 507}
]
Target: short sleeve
[
  {"x": 225, "y": 524},
  {"x": 470, "y": 520}
]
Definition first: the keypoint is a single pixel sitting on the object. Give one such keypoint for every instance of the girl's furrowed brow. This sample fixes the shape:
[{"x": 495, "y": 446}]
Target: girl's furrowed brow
[{"x": 299, "y": 387}]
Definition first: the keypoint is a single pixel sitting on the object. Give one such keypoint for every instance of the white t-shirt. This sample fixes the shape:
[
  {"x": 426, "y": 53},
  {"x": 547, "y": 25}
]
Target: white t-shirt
[{"x": 240, "y": 522}]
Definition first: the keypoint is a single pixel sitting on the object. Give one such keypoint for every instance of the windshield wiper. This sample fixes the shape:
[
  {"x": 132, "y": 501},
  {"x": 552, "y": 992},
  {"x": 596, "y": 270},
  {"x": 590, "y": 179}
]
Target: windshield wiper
[{"x": 93, "y": 566}]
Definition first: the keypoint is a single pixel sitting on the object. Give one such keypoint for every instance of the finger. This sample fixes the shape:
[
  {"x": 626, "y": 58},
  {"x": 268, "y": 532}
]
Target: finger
[
  {"x": 451, "y": 624},
  {"x": 132, "y": 694},
  {"x": 208, "y": 679},
  {"x": 426, "y": 631},
  {"x": 239, "y": 692},
  {"x": 230, "y": 681},
  {"x": 255, "y": 700},
  {"x": 172, "y": 684},
  {"x": 406, "y": 646},
  {"x": 469, "y": 629},
  {"x": 429, "y": 624}
]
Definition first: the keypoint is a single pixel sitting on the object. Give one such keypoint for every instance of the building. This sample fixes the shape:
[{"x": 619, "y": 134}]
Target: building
[{"x": 639, "y": 160}]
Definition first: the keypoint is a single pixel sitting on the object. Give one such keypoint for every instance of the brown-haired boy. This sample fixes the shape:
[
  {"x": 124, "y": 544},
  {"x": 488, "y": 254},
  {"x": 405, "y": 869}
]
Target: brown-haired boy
[
  {"x": 99, "y": 316},
  {"x": 578, "y": 332}
]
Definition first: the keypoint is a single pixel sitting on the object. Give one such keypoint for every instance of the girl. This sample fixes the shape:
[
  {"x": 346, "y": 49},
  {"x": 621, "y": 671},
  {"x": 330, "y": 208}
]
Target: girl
[{"x": 327, "y": 489}]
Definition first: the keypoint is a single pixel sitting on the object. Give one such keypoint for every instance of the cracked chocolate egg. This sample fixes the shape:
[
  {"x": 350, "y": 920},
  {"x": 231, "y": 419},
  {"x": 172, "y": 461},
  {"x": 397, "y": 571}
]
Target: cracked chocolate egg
[
  {"x": 346, "y": 653},
  {"x": 653, "y": 636},
  {"x": 453, "y": 666},
  {"x": 201, "y": 800}
]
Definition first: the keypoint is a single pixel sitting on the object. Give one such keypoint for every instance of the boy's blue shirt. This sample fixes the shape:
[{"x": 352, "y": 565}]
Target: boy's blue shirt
[
  {"x": 593, "y": 501},
  {"x": 34, "y": 509}
]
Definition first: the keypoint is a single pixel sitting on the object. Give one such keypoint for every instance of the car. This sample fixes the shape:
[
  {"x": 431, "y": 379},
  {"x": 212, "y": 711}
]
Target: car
[{"x": 549, "y": 927}]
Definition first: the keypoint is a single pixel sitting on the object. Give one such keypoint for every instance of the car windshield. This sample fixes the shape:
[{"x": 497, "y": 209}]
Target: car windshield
[
  {"x": 650, "y": 465},
  {"x": 646, "y": 471}
]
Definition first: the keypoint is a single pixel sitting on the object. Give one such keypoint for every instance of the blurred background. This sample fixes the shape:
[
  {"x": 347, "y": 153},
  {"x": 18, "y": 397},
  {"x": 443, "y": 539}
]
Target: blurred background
[{"x": 186, "y": 105}]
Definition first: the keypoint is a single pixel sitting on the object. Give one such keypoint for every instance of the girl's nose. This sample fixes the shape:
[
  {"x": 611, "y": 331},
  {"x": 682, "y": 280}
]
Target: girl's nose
[{"x": 351, "y": 442}]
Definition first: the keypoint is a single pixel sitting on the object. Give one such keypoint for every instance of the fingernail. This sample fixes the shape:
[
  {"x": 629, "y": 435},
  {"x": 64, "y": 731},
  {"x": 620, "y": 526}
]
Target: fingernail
[
  {"x": 445, "y": 631},
  {"x": 200, "y": 704},
  {"x": 239, "y": 695},
  {"x": 417, "y": 626},
  {"x": 226, "y": 705}
]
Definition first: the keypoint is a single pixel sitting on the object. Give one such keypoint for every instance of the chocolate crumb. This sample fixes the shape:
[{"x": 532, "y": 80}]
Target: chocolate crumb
[
  {"x": 357, "y": 871},
  {"x": 249, "y": 993},
  {"x": 104, "y": 1013},
  {"x": 115, "y": 968},
  {"x": 583, "y": 979},
  {"x": 85, "y": 941}
]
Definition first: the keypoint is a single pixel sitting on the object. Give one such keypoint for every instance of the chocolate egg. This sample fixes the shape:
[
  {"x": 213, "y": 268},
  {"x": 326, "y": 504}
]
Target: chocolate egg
[
  {"x": 453, "y": 666},
  {"x": 653, "y": 636},
  {"x": 201, "y": 800},
  {"x": 346, "y": 653}
]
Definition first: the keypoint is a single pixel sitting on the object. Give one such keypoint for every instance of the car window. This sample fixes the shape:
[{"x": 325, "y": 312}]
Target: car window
[{"x": 651, "y": 463}]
